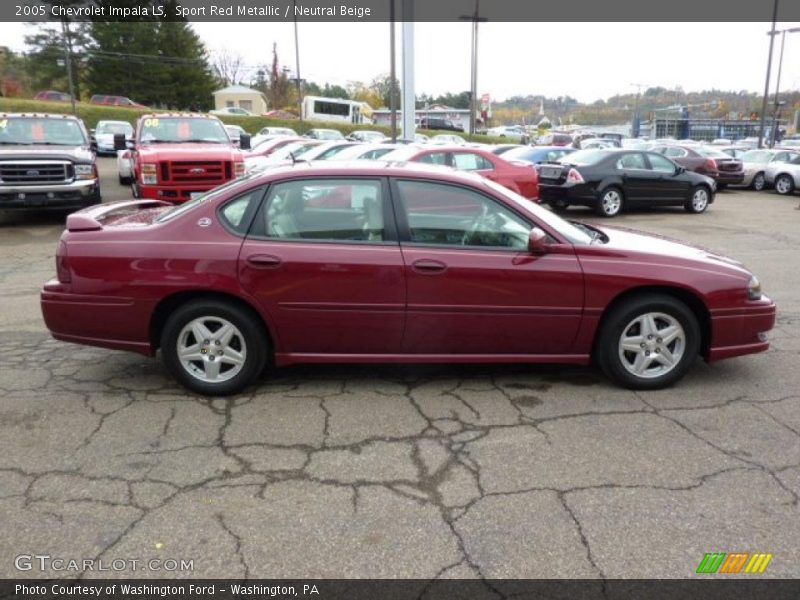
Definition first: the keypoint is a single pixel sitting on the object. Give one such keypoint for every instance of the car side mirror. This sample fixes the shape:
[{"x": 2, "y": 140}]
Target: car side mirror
[
  {"x": 680, "y": 170},
  {"x": 93, "y": 144},
  {"x": 244, "y": 141},
  {"x": 120, "y": 143},
  {"x": 537, "y": 242}
]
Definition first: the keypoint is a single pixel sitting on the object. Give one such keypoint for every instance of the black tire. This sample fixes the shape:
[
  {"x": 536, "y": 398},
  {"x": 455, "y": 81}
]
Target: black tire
[
  {"x": 610, "y": 202},
  {"x": 759, "y": 182},
  {"x": 559, "y": 205},
  {"x": 722, "y": 186},
  {"x": 124, "y": 180},
  {"x": 250, "y": 332},
  {"x": 695, "y": 204},
  {"x": 619, "y": 321},
  {"x": 784, "y": 184}
]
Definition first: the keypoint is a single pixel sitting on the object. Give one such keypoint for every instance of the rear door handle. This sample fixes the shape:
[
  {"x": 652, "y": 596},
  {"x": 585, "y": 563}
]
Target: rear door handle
[
  {"x": 428, "y": 266},
  {"x": 264, "y": 261}
]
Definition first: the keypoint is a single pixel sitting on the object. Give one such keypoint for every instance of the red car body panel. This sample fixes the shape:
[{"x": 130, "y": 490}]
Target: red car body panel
[
  {"x": 516, "y": 176},
  {"x": 388, "y": 302}
]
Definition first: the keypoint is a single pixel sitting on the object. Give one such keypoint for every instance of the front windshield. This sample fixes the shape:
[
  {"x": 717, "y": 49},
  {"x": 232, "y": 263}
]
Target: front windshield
[
  {"x": 31, "y": 130},
  {"x": 114, "y": 128},
  {"x": 183, "y": 130},
  {"x": 295, "y": 149},
  {"x": 564, "y": 228},
  {"x": 584, "y": 157}
]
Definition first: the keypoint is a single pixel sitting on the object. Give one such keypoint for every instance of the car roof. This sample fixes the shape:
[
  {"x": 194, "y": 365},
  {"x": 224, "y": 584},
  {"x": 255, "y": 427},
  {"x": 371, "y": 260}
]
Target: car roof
[
  {"x": 37, "y": 116},
  {"x": 367, "y": 168}
]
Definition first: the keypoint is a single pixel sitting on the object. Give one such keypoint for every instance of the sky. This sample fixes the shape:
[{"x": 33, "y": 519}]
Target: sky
[{"x": 587, "y": 61}]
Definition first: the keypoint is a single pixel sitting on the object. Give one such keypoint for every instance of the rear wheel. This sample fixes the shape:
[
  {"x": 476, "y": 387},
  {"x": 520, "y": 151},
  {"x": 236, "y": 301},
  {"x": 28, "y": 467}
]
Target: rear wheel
[
  {"x": 784, "y": 184},
  {"x": 648, "y": 342},
  {"x": 698, "y": 203},
  {"x": 213, "y": 347},
  {"x": 759, "y": 183},
  {"x": 610, "y": 204}
]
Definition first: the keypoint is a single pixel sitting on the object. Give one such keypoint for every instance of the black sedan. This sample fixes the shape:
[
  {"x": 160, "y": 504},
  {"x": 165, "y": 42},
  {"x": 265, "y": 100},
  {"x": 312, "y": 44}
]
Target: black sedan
[{"x": 610, "y": 180}]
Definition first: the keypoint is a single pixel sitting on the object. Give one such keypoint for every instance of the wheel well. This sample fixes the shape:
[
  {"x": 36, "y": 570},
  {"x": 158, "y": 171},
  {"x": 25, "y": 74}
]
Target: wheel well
[
  {"x": 695, "y": 304},
  {"x": 171, "y": 303}
]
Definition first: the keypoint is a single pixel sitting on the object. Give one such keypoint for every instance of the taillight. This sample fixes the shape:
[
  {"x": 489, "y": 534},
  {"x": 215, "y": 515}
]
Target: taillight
[
  {"x": 711, "y": 164},
  {"x": 574, "y": 176},
  {"x": 62, "y": 263}
]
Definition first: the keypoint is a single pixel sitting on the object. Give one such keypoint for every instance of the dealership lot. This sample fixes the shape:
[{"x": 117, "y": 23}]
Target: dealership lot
[{"x": 360, "y": 471}]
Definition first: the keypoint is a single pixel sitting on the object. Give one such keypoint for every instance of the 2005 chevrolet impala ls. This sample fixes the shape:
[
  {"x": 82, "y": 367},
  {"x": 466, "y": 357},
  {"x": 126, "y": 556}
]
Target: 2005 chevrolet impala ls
[{"x": 390, "y": 262}]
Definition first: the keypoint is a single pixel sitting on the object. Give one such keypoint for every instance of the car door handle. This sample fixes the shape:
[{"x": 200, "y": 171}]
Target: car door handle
[
  {"x": 427, "y": 266},
  {"x": 264, "y": 261}
]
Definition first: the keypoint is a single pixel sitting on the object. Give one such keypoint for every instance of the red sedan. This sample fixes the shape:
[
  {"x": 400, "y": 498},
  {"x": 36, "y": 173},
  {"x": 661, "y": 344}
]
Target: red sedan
[
  {"x": 420, "y": 265},
  {"x": 517, "y": 175}
]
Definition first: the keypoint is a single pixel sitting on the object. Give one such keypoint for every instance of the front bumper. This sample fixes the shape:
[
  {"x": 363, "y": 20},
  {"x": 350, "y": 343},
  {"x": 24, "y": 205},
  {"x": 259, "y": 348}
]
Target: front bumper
[
  {"x": 740, "y": 331},
  {"x": 76, "y": 194},
  {"x": 175, "y": 194}
]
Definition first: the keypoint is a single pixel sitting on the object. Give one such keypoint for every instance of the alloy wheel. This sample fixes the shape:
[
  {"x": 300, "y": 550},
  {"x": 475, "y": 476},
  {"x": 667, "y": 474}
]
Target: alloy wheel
[
  {"x": 759, "y": 182},
  {"x": 784, "y": 185},
  {"x": 211, "y": 349},
  {"x": 652, "y": 345},
  {"x": 700, "y": 200},
  {"x": 611, "y": 202}
]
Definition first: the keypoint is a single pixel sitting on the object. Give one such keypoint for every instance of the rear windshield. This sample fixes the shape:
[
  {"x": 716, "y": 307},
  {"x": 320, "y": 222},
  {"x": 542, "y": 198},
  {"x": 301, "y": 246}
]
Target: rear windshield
[
  {"x": 711, "y": 152},
  {"x": 584, "y": 157},
  {"x": 30, "y": 130}
]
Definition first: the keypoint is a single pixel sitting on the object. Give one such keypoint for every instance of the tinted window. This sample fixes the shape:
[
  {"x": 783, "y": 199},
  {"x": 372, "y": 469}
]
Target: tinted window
[
  {"x": 234, "y": 212},
  {"x": 434, "y": 158},
  {"x": 659, "y": 163},
  {"x": 326, "y": 210},
  {"x": 632, "y": 161},
  {"x": 468, "y": 161},
  {"x": 451, "y": 215}
]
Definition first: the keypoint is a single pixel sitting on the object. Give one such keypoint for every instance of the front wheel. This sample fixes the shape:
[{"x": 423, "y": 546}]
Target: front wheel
[
  {"x": 759, "y": 183},
  {"x": 610, "y": 204},
  {"x": 648, "y": 342},
  {"x": 699, "y": 200},
  {"x": 784, "y": 185},
  {"x": 213, "y": 347}
]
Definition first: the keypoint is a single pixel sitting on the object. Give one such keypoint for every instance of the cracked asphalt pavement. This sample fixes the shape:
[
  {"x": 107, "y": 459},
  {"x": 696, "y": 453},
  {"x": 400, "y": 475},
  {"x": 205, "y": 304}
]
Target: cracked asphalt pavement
[{"x": 403, "y": 471}]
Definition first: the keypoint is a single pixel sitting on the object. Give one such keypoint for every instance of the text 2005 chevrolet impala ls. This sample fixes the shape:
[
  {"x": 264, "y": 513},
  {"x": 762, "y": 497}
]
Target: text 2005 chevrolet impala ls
[{"x": 390, "y": 262}]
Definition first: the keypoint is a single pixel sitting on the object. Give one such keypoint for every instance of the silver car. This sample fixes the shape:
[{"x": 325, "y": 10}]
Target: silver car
[
  {"x": 755, "y": 163},
  {"x": 784, "y": 176}
]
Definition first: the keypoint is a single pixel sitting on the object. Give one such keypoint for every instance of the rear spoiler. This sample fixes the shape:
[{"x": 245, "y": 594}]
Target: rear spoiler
[{"x": 88, "y": 219}]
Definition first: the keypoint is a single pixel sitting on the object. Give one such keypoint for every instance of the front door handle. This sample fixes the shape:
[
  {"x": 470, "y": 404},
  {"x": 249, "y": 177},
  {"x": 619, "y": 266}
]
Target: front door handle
[
  {"x": 264, "y": 261},
  {"x": 428, "y": 266}
]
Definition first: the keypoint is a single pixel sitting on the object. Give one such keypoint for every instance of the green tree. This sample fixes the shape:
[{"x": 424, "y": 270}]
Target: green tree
[{"x": 45, "y": 65}]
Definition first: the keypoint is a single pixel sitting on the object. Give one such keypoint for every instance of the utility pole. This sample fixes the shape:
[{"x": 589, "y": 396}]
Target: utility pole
[
  {"x": 68, "y": 59},
  {"x": 297, "y": 61},
  {"x": 392, "y": 73},
  {"x": 473, "y": 93},
  {"x": 409, "y": 101},
  {"x": 769, "y": 69}
]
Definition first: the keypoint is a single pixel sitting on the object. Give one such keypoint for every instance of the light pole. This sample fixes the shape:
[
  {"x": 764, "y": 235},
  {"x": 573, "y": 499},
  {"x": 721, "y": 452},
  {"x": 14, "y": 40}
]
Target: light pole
[
  {"x": 778, "y": 83},
  {"x": 473, "y": 91},
  {"x": 297, "y": 61},
  {"x": 392, "y": 74},
  {"x": 635, "y": 123},
  {"x": 766, "y": 83}
]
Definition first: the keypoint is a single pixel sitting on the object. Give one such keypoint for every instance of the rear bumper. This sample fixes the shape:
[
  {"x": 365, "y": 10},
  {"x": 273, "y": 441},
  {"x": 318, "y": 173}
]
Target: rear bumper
[
  {"x": 729, "y": 178},
  {"x": 77, "y": 194},
  {"x": 105, "y": 321},
  {"x": 740, "y": 331},
  {"x": 580, "y": 193}
]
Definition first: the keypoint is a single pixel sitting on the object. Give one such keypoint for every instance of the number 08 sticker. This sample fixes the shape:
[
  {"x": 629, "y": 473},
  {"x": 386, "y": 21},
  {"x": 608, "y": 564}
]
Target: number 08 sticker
[
  {"x": 3, "y": 123},
  {"x": 151, "y": 122}
]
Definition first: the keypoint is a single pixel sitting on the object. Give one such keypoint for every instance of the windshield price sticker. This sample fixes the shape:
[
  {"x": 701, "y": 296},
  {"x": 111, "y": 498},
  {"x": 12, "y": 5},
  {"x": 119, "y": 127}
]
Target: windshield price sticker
[
  {"x": 151, "y": 122},
  {"x": 3, "y": 123}
]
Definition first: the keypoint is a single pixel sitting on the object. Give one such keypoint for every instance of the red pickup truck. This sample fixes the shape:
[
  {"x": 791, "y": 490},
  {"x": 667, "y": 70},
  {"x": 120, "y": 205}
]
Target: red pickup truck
[{"x": 176, "y": 156}]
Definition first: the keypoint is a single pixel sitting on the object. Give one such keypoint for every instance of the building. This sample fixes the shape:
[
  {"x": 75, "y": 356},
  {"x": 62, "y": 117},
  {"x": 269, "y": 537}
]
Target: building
[
  {"x": 459, "y": 116},
  {"x": 681, "y": 128},
  {"x": 240, "y": 96}
]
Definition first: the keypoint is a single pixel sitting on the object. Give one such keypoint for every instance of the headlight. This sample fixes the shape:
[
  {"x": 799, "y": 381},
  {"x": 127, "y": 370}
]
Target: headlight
[
  {"x": 238, "y": 169},
  {"x": 754, "y": 288},
  {"x": 149, "y": 176},
  {"x": 84, "y": 172}
]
